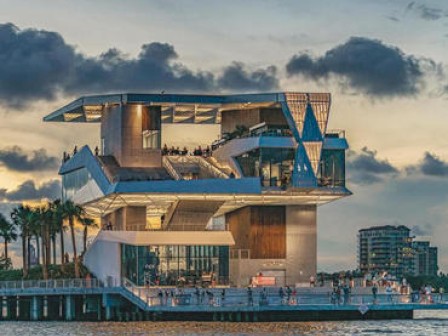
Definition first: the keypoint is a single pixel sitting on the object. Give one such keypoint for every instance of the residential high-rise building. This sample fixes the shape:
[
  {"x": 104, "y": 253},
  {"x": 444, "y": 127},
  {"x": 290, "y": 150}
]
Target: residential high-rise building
[
  {"x": 239, "y": 207},
  {"x": 385, "y": 249},
  {"x": 392, "y": 249},
  {"x": 425, "y": 258}
]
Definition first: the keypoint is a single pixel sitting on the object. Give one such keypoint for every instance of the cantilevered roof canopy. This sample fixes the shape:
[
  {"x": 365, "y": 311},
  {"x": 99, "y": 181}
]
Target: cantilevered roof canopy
[
  {"x": 176, "y": 108},
  {"x": 185, "y": 238}
]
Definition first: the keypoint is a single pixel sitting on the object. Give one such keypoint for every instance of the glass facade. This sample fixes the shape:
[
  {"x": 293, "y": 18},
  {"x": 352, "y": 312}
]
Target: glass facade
[
  {"x": 174, "y": 264},
  {"x": 273, "y": 165},
  {"x": 332, "y": 168},
  {"x": 73, "y": 181}
]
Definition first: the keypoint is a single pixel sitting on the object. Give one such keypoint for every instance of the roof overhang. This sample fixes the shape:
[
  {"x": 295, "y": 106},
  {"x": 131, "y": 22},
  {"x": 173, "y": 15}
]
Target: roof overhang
[
  {"x": 158, "y": 203},
  {"x": 163, "y": 238},
  {"x": 176, "y": 108}
]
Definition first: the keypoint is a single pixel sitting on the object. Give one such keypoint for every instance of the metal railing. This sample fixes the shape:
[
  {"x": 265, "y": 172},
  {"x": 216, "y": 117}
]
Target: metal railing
[
  {"x": 54, "y": 283},
  {"x": 240, "y": 297}
]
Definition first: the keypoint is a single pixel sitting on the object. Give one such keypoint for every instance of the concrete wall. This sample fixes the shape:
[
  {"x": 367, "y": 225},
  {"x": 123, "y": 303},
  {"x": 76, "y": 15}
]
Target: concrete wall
[
  {"x": 122, "y": 133},
  {"x": 242, "y": 270},
  {"x": 135, "y": 218},
  {"x": 301, "y": 246},
  {"x": 103, "y": 259},
  {"x": 301, "y": 242},
  {"x": 130, "y": 218},
  {"x": 111, "y": 131}
]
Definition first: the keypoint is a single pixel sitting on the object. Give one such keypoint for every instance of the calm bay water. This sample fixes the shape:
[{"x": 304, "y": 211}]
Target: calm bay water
[{"x": 432, "y": 324}]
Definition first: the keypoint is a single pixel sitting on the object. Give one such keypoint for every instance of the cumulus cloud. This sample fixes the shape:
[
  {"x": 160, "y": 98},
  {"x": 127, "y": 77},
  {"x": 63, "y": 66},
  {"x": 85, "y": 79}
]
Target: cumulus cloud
[
  {"x": 238, "y": 77},
  {"x": 28, "y": 190},
  {"x": 33, "y": 64},
  {"x": 364, "y": 167},
  {"x": 365, "y": 65},
  {"x": 39, "y": 65},
  {"x": 430, "y": 165},
  {"x": 15, "y": 158}
]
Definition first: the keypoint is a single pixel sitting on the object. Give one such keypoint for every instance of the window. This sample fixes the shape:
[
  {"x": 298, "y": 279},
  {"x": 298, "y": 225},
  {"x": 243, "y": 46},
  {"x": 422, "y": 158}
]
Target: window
[{"x": 151, "y": 139}]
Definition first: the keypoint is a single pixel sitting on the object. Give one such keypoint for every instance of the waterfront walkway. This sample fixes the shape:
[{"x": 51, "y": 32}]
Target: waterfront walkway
[{"x": 115, "y": 299}]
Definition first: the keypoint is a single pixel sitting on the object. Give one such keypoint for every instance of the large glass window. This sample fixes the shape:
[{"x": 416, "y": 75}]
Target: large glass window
[
  {"x": 173, "y": 265},
  {"x": 152, "y": 139},
  {"x": 332, "y": 168},
  {"x": 73, "y": 181},
  {"x": 273, "y": 165}
]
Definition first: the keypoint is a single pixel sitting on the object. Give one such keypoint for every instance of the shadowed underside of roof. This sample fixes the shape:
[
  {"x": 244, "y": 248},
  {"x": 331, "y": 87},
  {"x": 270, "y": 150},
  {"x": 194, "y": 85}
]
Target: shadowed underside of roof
[{"x": 116, "y": 173}]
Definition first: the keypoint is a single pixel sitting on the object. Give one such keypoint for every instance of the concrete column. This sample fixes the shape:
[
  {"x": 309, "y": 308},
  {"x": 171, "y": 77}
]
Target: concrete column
[
  {"x": 45, "y": 307},
  {"x": 35, "y": 308},
  {"x": 108, "y": 313},
  {"x": 17, "y": 307},
  {"x": 98, "y": 308},
  {"x": 301, "y": 243},
  {"x": 61, "y": 307},
  {"x": 5, "y": 307},
  {"x": 69, "y": 308}
]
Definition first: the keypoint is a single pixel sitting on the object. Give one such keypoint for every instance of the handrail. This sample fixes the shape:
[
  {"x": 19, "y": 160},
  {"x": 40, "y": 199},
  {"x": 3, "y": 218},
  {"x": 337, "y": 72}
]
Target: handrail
[{"x": 168, "y": 166}]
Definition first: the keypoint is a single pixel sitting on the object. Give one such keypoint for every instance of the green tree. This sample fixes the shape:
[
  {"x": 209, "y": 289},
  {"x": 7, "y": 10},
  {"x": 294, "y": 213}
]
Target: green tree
[
  {"x": 7, "y": 232},
  {"x": 87, "y": 223},
  {"x": 22, "y": 217},
  {"x": 43, "y": 222},
  {"x": 73, "y": 212},
  {"x": 57, "y": 208}
]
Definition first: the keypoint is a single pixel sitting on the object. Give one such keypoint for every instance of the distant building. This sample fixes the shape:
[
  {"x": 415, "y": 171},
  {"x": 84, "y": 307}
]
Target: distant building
[
  {"x": 392, "y": 249},
  {"x": 385, "y": 248},
  {"x": 425, "y": 258}
]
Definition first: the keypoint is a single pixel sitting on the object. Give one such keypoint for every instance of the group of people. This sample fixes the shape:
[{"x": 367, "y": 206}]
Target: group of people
[
  {"x": 341, "y": 294},
  {"x": 198, "y": 151},
  {"x": 287, "y": 295},
  {"x": 66, "y": 156}
]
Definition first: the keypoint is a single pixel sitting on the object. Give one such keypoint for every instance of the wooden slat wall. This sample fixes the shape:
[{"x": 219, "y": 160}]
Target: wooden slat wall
[
  {"x": 239, "y": 224},
  {"x": 262, "y": 229},
  {"x": 268, "y": 232}
]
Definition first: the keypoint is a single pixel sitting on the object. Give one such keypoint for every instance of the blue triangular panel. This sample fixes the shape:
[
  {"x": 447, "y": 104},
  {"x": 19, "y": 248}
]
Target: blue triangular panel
[
  {"x": 311, "y": 130},
  {"x": 303, "y": 175}
]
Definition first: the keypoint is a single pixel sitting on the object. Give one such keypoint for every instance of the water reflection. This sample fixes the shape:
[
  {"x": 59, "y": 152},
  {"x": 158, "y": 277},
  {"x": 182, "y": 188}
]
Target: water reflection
[{"x": 406, "y": 327}]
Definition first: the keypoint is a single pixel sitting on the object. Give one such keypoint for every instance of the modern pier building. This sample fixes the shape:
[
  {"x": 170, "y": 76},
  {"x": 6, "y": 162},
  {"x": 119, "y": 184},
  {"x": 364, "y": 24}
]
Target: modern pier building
[{"x": 240, "y": 211}]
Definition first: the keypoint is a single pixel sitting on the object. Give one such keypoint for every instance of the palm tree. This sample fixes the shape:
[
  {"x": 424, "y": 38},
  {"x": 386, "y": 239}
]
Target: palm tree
[
  {"x": 7, "y": 232},
  {"x": 22, "y": 216},
  {"x": 72, "y": 212},
  {"x": 58, "y": 224},
  {"x": 87, "y": 222},
  {"x": 43, "y": 220}
]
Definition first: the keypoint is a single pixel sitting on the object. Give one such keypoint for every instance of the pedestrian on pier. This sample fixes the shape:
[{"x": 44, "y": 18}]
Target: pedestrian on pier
[
  {"x": 294, "y": 297},
  {"x": 288, "y": 293},
  {"x": 338, "y": 294},
  {"x": 375, "y": 293},
  {"x": 389, "y": 293},
  {"x": 202, "y": 296},
  {"x": 334, "y": 296},
  {"x": 281, "y": 294},
  {"x": 346, "y": 290},
  {"x": 223, "y": 295},
  {"x": 250, "y": 298},
  {"x": 441, "y": 292},
  {"x": 160, "y": 295},
  {"x": 198, "y": 295}
]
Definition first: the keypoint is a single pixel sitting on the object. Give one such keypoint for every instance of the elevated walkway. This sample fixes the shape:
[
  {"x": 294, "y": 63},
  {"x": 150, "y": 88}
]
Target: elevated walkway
[{"x": 72, "y": 299}]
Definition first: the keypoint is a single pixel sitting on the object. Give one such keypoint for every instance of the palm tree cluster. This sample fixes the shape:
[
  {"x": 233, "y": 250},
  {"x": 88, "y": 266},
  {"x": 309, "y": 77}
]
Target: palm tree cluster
[{"x": 44, "y": 225}]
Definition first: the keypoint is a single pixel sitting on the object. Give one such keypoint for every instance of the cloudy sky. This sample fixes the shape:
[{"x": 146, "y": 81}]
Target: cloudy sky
[{"x": 385, "y": 63}]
